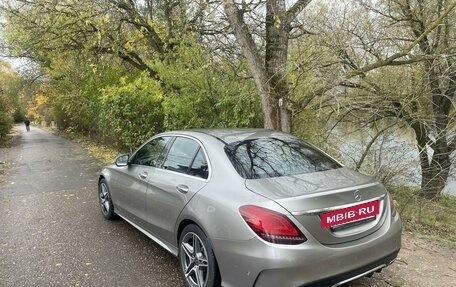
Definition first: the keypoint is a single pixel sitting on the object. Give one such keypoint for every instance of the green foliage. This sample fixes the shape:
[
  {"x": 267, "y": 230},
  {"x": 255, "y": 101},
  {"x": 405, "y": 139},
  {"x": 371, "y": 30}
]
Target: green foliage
[
  {"x": 5, "y": 124},
  {"x": 76, "y": 82},
  {"x": 310, "y": 125},
  {"x": 38, "y": 107},
  {"x": 168, "y": 80},
  {"x": 43, "y": 27},
  {"x": 83, "y": 58},
  {"x": 132, "y": 110},
  {"x": 304, "y": 79},
  {"x": 5, "y": 118},
  {"x": 8, "y": 96},
  {"x": 205, "y": 92},
  {"x": 18, "y": 115}
]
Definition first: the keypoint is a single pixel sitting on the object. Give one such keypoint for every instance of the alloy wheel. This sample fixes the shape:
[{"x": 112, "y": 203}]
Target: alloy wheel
[
  {"x": 104, "y": 198},
  {"x": 194, "y": 260}
]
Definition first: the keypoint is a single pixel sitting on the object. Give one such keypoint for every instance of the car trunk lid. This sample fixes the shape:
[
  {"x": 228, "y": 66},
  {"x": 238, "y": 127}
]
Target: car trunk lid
[{"x": 309, "y": 196}]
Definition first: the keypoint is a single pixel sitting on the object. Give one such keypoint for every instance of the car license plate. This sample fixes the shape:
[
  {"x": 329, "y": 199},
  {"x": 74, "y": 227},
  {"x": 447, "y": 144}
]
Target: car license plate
[{"x": 350, "y": 214}]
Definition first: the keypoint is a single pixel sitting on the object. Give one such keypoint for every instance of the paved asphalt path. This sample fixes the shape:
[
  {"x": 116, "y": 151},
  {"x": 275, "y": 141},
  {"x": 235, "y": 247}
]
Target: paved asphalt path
[{"x": 51, "y": 229}]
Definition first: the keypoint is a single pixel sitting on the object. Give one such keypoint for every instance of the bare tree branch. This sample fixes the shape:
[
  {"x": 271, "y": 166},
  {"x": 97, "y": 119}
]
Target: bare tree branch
[
  {"x": 297, "y": 8},
  {"x": 389, "y": 61}
]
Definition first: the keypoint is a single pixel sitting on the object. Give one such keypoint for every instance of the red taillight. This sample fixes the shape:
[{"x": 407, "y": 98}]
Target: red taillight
[{"x": 271, "y": 226}]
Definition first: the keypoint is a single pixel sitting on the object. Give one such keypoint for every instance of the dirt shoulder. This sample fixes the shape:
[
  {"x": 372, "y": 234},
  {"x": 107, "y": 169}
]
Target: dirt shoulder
[
  {"x": 11, "y": 140},
  {"x": 421, "y": 262}
]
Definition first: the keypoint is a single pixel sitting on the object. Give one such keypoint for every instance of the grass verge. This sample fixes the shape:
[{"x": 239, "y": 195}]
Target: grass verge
[
  {"x": 7, "y": 142},
  {"x": 103, "y": 153},
  {"x": 430, "y": 218}
]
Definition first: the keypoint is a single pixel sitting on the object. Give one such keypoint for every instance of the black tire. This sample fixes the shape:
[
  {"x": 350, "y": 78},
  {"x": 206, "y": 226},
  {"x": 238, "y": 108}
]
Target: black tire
[
  {"x": 104, "y": 198},
  {"x": 197, "y": 264}
]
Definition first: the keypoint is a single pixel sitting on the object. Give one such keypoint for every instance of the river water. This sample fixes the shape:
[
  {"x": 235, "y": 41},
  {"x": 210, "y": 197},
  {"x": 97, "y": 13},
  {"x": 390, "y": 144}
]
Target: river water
[{"x": 393, "y": 158}]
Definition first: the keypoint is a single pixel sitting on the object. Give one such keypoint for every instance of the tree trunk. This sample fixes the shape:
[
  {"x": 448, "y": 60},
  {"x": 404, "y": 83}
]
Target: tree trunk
[
  {"x": 253, "y": 58},
  {"x": 270, "y": 73},
  {"x": 277, "y": 33},
  {"x": 435, "y": 176},
  {"x": 434, "y": 169}
]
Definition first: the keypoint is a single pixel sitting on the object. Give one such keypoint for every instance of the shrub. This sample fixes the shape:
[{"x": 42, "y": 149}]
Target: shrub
[
  {"x": 5, "y": 124},
  {"x": 18, "y": 115},
  {"x": 131, "y": 111}
]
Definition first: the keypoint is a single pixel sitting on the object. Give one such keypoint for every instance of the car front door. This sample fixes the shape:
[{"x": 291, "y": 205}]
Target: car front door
[
  {"x": 132, "y": 184},
  {"x": 182, "y": 174}
]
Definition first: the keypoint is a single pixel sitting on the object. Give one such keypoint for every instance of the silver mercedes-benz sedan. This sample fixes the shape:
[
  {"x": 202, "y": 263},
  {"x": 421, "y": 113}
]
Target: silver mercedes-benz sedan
[{"x": 253, "y": 207}]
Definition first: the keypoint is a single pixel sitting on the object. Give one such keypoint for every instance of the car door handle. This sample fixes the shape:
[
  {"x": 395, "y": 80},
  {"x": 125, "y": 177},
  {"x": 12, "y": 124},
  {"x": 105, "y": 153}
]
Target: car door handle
[
  {"x": 143, "y": 175},
  {"x": 182, "y": 188}
]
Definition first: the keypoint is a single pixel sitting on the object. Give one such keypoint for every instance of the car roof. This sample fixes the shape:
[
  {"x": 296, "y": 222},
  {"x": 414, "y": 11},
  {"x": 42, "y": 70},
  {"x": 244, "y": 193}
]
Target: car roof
[{"x": 230, "y": 135}]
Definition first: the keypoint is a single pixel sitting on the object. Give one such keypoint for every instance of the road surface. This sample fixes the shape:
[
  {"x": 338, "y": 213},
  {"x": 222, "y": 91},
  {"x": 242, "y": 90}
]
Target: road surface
[{"x": 52, "y": 232}]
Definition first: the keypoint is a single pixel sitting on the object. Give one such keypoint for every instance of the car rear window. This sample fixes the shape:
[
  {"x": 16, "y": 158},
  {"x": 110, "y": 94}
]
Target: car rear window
[
  {"x": 181, "y": 154},
  {"x": 274, "y": 157}
]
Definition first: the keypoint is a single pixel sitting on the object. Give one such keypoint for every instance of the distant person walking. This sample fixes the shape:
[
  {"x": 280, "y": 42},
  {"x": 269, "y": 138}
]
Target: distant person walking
[{"x": 27, "y": 124}]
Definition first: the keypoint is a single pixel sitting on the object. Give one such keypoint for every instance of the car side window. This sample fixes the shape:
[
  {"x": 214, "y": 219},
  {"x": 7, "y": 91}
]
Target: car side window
[
  {"x": 200, "y": 167},
  {"x": 151, "y": 153},
  {"x": 181, "y": 155}
]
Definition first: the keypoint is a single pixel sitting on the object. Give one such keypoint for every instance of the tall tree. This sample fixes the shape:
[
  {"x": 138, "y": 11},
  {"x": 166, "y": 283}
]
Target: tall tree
[
  {"x": 268, "y": 68},
  {"x": 398, "y": 62}
]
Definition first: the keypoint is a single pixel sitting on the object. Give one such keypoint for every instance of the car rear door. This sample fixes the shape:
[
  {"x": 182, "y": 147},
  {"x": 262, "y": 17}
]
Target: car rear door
[{"x": 184, "y": 171}]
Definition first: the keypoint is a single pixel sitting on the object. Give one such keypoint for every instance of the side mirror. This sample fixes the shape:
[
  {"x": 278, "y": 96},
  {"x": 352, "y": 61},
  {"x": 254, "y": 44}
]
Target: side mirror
[{"x": 122, "y": 160}]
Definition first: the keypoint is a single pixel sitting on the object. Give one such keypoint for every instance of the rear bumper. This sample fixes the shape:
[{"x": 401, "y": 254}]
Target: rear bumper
[
  {"x": 340, "y": 279},
  {"x": 261, "y": 264}
]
